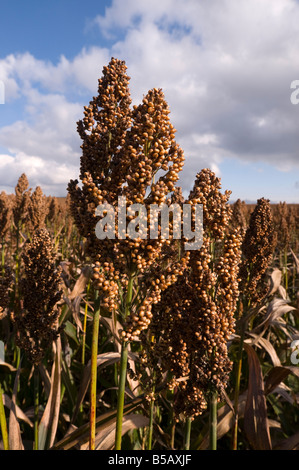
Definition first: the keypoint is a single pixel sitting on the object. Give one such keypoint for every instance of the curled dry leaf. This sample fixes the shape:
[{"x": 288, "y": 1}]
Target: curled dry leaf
[
  {"x": 15, "y": 440},
  {"x": 105, "y": 439},
  {"x": 264, "y": 343},
  {"x": 49, "y": 421},
  {"x": 81, "y": 283},
  {"x": 81, "y": 435},
  {"x": 276, "y": 308},
  {"x": 278, "y": 375},
  {"x": 256, "y": 424},
  {"x": 20, "y": 414},
  {"x": 5, "y": 367},
  {"x": 296, "y": 259},
  {"x": 291, "y": 443},
  {"x": 275, "y": 280}
]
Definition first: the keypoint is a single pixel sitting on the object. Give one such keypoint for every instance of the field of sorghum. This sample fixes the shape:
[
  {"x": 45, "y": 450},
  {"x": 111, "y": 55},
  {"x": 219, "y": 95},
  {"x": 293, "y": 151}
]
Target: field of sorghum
[{"x": 138, "y": 343}]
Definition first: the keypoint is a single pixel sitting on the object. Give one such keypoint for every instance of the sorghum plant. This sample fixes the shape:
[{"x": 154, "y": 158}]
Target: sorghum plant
[
  {"x": 21, "y": 201},
  {"x": 123, "y": 151},
  {"x": 36, "y": 322},
  {"x": 195, "y": 316},
  {"x": 6, "y": 279},
  {"x": 239, "y": 215},
  {"x": 257, "y": 251},
  {"x": 37, "y": 210},
  {"x": 5, "y": 215}
]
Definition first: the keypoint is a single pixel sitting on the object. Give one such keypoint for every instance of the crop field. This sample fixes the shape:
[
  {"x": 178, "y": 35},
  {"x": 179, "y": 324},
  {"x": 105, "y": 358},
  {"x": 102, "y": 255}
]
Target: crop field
[{"x": 114, "y": 340}]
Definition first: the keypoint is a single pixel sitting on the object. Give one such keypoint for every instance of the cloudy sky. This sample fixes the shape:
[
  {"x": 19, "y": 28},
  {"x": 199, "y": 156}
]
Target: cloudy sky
[{"x": 225, "y": 66}]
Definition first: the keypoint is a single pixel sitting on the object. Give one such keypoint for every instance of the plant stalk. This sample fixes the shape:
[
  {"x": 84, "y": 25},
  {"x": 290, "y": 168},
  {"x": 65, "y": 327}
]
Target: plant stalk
[
  {"x": 36, "y": 406},
  {"x": 3, "y": 424},
  {"x": 93, "y": 376},
  {"x": 187, "y": 433},
  {"x": 213, "y": 420},
  {"x": 121, "y": 395},
  {"x": 151, "y": 423},
  {"x": 84, "y": 325},
  {"x": 237, "y": 388},
  {"x": 123, "y": 372}
]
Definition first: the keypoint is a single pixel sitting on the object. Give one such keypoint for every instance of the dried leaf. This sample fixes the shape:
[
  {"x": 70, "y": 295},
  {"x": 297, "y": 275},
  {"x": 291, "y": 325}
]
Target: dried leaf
[
  {"x": 49, "y": 421},
  {"x": 115, "y": 327},
  {"x": 278, "y": 375},
  {"x": 5, "y": 367},
  {"x": 276, "y": 308},
  {"x": 264, "y": 343},
  {"x": 105, "y": 439},
  {"x": 74, "y": 307},
  {"x": 80, "y": 435},
  {"x": 291, "y": 443},
  {"x": 103, "y": 360},
  {"x": 275, "y": 281},
  {"x": 20, "y": 414},
  {"x": 81, "y": 283},
  {"x": 15, "y": 440},
  {"x": 256, "y": 424},
  {"x": 282, "y": 292},
  {"x": 296, "y": 259}
]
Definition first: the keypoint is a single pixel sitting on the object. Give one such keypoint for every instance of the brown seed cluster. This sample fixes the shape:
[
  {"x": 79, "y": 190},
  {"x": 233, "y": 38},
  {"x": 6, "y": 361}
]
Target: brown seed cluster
[
  {"x": 21, "y": 200},
  {"x": 5, "y": 215},
  {"x": 6, "y": 279},
  {"x": 239, "y": 215},
  {"x": 195, "y": 316},
  {"x": 36, "y": 323},
  {"x": 257, "y": 251},
  {"x": 37, "y": 210},
  {"x": 216, "y": 211},
  {"x": 130, "y": 153},
  {"x": 285, "y": 224}
]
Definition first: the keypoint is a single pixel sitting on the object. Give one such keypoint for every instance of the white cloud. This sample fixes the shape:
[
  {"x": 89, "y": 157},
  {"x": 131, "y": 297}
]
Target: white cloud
[
  {"x": 49, "y": 174},
  {"x": 225, "y": 67},
  {"x": 45, "y": 144}
]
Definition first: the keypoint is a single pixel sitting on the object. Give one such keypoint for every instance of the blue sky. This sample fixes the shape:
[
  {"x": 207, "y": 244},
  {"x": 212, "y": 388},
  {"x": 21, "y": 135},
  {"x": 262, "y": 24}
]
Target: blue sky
[{"x": 225, "y": 67}]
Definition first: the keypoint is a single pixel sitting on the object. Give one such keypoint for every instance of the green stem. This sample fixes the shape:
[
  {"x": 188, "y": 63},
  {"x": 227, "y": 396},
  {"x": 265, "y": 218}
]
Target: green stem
[
  {"x": 151, "y": 424},
  {"x": 36, "y": 406},
  {"x": 213, "y": 420},
  {"x": 172, "y": 421},
  {"x": 93, "y": 376},
  {"x": 121, "y": 395},
  {"x": 123, "y": 372},
  {"x": 3, "y": 424},
  {"x": 84, "y": 325},
  {"x": 187, "y": 433},
  {"x": 237, "y": 388}
]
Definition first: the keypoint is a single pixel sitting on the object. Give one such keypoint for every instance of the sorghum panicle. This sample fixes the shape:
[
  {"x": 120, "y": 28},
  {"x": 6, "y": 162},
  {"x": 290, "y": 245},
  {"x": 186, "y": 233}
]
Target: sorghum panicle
[
  {"x": 195, "y": 317},
  {"x": 6, "y": 279},
  {"x": 37, "y": 210},
  {"x": 36, "y": 323},
  {"x": 257, "y": 252},
  {"x": 123, "y": 151},
  {"x": 5, "y": 214},
  {"x": 21, "y": 200}
]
